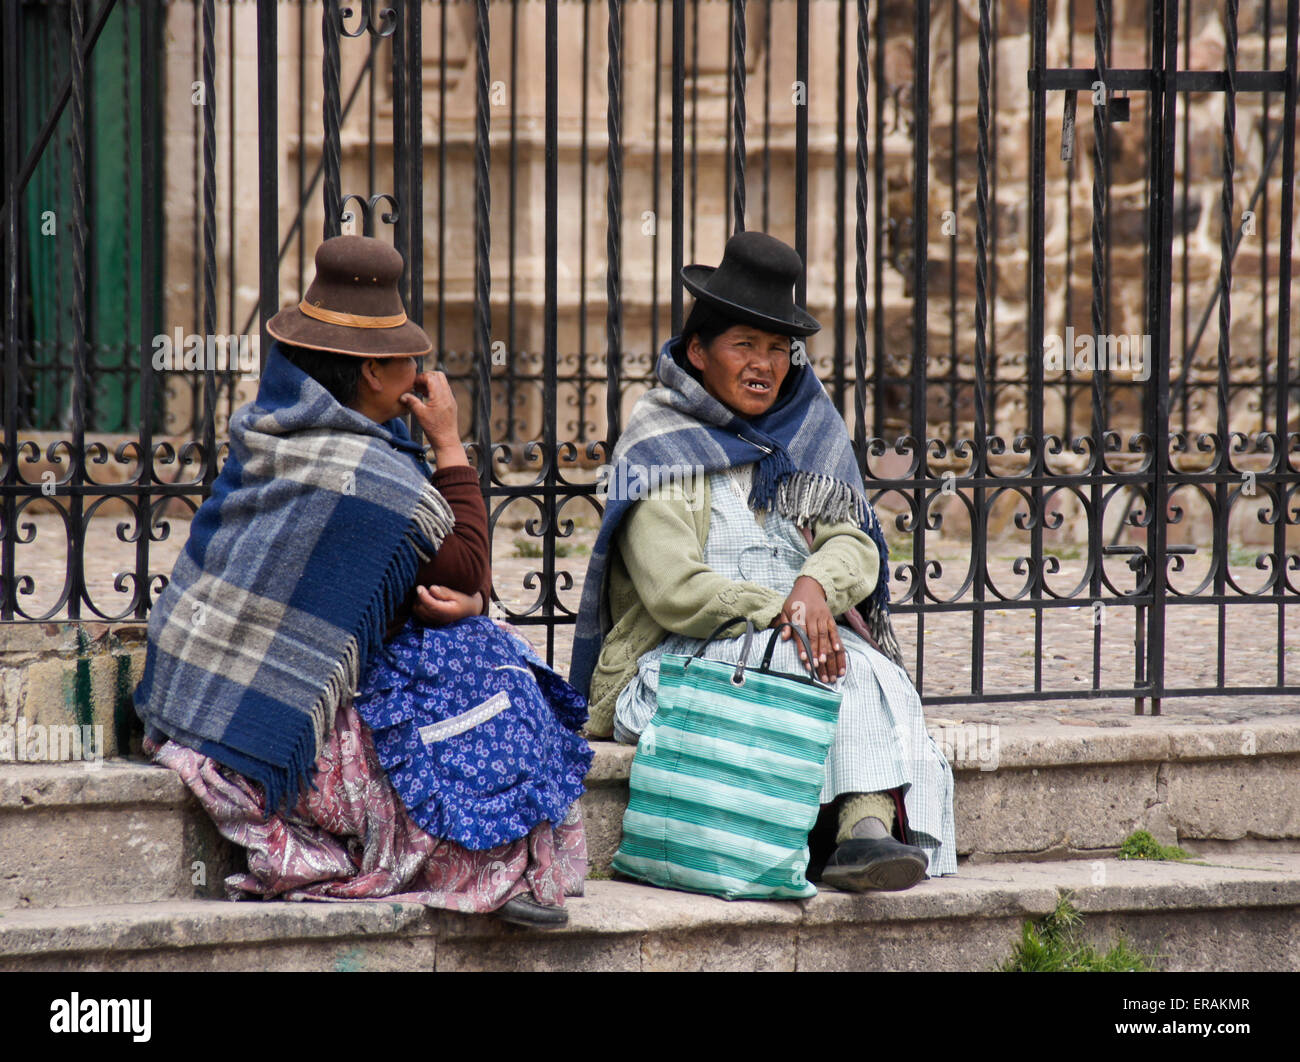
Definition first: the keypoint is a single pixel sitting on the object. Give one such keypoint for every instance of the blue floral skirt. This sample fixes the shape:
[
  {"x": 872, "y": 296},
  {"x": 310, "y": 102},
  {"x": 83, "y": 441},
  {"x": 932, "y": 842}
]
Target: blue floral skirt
[{"x": 477, "y": 735}]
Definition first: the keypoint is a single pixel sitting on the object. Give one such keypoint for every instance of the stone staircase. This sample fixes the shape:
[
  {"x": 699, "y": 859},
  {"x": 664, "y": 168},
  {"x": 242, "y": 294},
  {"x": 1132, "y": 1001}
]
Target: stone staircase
[{"x": 116, "y": 867}]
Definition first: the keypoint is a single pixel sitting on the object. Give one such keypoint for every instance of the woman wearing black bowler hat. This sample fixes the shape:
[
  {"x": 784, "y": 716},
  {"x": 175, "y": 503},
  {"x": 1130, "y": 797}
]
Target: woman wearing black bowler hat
[{"x": 781, "y": 531}]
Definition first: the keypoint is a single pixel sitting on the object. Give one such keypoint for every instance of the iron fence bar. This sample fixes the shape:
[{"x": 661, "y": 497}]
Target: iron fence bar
[
  {"x": 372, "y": 46},
  {"x": 60, "y": 164},
  {"x": 149, "y": 27},
  {"x": 583, "y": 381},
  {"x": 979, "y": 462},
  {"x": 76, "y": 587},
  {"x": 992, "y": 370},
  {"x": 302, "y": 152},
  {"x": 87, "y": 45},
  {"x": 839, "y": 381},
  {"x": 331, "y": 19},
  {"x": 1164, "y": 108},
  {"x": 728, "y": 126},
  {"x": 196, "y": 258},
  {"x": 877, "y": 216},
  {"x": 124, "y": 354},
  {"x": 695, "y": 114},
  {"x": 1180, "y": 394},
  {"x": 1224, "y": 456},
  {"x": 550, "y": 350},
  {"x": 1100, "y": 310},
  {"x": 767, "y": 114},
  {"x": 1282, "y": 461},
  {"x": 801, "y": 151},
  {"x": 9, "y": 603},
  {"x": 442, "y": 183},
  {"x": 953, "y": 189},
  {"x": 738, "y": 43},
  {"x": 920, "y": 282},
  {"x": 614, "y": 227},
  {"x": 1037, "y": 280},
  {"x": 413, "y": 210},
  {"x": 482, "y": 246},
  {"x": 1265, "y": 103},
  {"x": 209, "y": 235},
  {"x": 232, "y": 261},
  {"x": 860, "y": 247},
  {"x": 512, "y": 213},
  {"x": 268, "y": 194},
  {"x": 402, "y": 84},
  {"x": 654, "y": 187},
  {"x": 679, "y": 103}
]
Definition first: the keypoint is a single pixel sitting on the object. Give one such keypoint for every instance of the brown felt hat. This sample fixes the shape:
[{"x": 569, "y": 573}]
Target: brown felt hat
[{"x": 353, "y": 306}]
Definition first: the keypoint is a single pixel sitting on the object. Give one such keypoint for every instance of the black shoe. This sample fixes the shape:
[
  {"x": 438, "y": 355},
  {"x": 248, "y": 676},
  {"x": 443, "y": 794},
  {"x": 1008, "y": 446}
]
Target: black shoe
[
  {"x": 523, "y": 910},
  {"x": 874, "y": 863}
]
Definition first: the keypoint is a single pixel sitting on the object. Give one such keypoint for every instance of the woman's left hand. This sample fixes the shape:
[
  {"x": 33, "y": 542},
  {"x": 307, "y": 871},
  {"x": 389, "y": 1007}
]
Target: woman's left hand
[
  {"x": 806, "y": 607},
  {"x": 439, "y": 606}
]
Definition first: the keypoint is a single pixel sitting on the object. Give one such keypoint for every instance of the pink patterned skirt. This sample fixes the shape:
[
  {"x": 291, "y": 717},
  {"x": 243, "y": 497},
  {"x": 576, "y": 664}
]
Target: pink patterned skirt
[{"x": 351, "y": 839}]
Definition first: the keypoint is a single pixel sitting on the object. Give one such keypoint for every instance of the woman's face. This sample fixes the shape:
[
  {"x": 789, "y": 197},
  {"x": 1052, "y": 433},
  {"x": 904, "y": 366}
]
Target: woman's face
[
  {"x": 743, "y": 367},
  {"x": 384, "y": 381}
]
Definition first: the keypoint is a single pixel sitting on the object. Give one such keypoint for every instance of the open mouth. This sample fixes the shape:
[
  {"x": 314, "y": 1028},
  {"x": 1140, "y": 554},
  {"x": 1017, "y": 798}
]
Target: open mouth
[{"x": 758, "y": 387}]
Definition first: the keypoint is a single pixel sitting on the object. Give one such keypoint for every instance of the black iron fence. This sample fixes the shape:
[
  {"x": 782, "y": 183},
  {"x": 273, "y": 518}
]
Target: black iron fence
[{"x": 1030, "y": 322}]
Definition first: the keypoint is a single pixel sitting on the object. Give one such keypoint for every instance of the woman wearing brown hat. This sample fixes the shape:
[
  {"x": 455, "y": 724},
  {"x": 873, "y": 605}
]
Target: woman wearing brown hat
[
  {"x": 321, "y": 670},
  {"x": 780, "y": 529}
]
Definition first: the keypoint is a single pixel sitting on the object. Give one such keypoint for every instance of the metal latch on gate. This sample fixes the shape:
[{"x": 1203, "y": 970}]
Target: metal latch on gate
[
  {"x": 1117, "y": 110},
  {"x": 1067, "y": 125}
]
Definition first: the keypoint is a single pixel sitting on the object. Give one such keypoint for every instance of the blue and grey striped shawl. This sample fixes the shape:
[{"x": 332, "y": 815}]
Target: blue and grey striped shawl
[
  {"x": 311, "y": 537},
  {"x": 806, "y": 470}
]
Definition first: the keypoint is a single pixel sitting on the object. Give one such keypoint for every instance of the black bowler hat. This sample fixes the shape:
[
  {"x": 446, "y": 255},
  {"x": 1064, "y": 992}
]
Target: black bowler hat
[{"x": 754, "y": 284}]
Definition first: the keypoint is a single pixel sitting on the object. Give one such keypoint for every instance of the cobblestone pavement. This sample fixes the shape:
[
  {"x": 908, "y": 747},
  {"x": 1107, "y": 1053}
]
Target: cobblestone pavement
[{"x": 1068, "y": 634}]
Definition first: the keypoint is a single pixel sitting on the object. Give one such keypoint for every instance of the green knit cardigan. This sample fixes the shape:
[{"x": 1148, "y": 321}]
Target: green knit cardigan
[{"x": 658, "y": 582}]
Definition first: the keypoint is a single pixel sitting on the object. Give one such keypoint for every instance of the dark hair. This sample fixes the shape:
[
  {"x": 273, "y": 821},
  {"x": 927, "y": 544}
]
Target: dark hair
[
  {"x": 339, "y": 374},
  {"x": 705, "y": 321}
]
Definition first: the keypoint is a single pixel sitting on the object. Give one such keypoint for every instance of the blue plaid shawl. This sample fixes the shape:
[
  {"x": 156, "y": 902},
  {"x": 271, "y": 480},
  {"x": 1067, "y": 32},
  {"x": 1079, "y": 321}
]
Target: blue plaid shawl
[
  {"x": 806, "y": 470},
  {"x": 295, "y": 563}
]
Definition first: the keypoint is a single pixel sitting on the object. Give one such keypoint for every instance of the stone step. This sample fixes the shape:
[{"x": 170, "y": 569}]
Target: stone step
[
  {"x": 122, "y": 832},
  {"x": 1243, "y": 915},
  {"x": 126, "y": 831}
]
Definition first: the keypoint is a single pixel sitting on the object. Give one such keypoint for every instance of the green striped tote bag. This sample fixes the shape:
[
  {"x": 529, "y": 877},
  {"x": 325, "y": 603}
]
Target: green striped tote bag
[{"x": 726, "y": 778}]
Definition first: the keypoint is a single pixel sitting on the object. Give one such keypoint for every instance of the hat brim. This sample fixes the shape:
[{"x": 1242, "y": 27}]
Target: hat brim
[
  {"x": 802, "y": 324},
  {"x": 293, "y": 326}
]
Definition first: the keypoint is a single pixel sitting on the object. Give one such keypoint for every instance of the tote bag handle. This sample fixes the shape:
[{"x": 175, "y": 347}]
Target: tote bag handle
[
  {"x": 738, "y": 677},
  {"x": 766, "y": 665}
]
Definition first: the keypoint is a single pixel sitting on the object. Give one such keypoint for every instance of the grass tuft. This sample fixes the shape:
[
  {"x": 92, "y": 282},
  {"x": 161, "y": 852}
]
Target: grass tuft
[
  {"x": 1051, "y": 945},
  {"x": 1141, "y": 845}
]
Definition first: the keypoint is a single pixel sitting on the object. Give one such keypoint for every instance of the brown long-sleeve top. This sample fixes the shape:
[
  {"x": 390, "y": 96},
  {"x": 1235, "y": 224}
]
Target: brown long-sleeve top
[{"x": 464, "y": 560}]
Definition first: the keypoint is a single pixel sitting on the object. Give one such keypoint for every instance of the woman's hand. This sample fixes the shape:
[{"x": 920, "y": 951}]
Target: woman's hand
[
  {"x": 439, "y": 606},
  {"x": 434, "y": 406},
  {"x": 806, "y": 606}
]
